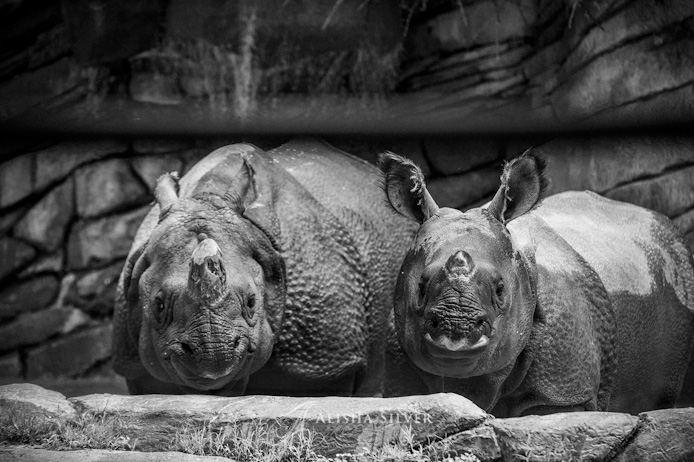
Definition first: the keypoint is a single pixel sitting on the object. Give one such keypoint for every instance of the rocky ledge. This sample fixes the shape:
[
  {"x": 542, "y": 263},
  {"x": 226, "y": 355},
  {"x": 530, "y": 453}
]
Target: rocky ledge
[{"x": 431, "y": 427}]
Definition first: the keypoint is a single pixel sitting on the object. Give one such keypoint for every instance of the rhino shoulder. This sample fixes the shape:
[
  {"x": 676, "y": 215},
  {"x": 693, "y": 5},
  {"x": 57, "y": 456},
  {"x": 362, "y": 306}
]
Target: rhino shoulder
[{"x": 574, "y": 335}]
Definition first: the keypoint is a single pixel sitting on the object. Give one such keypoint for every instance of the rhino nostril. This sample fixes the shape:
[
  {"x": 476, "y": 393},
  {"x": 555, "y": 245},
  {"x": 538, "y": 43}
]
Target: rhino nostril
[
  {"x": 482, "y": 326},
  {"x": 186, "y": 348}
]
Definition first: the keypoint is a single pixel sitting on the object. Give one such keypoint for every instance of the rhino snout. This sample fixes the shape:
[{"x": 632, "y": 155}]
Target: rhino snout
[
  {"x": 456, "y": 334},
  {"x": 206, "y": 366}
]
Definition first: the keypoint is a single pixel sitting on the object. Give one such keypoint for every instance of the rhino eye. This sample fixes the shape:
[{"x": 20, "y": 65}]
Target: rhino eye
[
  {"x": 422, "y": 291},
  {"x": 160, "y": 311},
  {"x": 500, "y": 289},
  {"x": 251, "y": 301}
]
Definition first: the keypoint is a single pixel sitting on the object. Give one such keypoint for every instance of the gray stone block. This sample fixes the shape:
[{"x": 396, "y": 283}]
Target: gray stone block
[
  {"x": 28, "y": 295},
  {"x": 33, "y": 328},
  {"x": 13, "y": 255},
  {"x": 15, "y": 179},
  {"x": 663, "y": 435},
  {"x": 342, "y": 425},
  {"x": 100, "y": 241},
  {"x": 46, "y": 222},
  {"x": 107, "y": 186},
  {"x": 34, "y": 400},
  {"x": 564, "y": 436},
  {"x": 94, "y": 291},
  {"x": 58, "y": 161},
  {"x": 70, "y": 355}
]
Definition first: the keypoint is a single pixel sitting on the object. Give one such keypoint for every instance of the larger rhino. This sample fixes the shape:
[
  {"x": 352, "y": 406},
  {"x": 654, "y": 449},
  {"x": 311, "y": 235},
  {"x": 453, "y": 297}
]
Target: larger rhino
[
  {"x": 261, "y": 272},
  {"x": 574, "y": 303}
]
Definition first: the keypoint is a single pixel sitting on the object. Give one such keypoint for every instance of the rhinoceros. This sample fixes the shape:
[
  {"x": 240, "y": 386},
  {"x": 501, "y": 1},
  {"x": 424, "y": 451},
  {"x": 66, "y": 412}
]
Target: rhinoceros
[
  {"x": 530, "y": 306},
  {"x": 261, "y": 272}
]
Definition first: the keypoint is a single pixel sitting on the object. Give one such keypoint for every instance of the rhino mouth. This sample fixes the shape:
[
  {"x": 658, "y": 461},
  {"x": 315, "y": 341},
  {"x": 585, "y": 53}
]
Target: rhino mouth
[
  {"x": 196, "y": 376},
  {"x": 444, "y": 347}
]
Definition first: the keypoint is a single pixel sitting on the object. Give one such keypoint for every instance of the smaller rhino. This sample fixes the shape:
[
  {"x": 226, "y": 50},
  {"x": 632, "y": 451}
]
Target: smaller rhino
[{"x": 574, "y": 303}]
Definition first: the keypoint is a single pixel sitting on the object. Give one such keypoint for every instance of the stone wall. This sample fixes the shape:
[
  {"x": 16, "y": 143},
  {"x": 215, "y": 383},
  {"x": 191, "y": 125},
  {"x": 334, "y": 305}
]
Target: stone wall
[
  {"x": 619, "y": 60},
  {"x": 69, "y": 210}
]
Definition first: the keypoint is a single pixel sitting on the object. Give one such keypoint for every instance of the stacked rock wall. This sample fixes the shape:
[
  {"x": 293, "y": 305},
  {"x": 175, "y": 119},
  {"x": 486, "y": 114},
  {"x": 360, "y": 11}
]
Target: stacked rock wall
[
  {"x": 616, "y": 60},
  {"x": 69, "y": 210}
]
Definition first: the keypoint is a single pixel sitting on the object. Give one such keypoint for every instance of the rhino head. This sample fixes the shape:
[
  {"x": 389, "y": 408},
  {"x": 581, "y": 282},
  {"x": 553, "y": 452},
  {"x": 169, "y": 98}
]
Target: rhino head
[
  {"x": 464, "y": 300},
  {"x": 210, "y": 283}
]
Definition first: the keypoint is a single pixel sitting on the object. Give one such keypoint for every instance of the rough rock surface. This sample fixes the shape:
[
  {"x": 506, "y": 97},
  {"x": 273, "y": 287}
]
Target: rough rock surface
[
  {"x": 35, "y": 400},
  {"x": 348, "y": 424},
  {"x": 24, "y": 454},
  {"x": 443, "y": 425},
  {"x": 71, "y": 355}
]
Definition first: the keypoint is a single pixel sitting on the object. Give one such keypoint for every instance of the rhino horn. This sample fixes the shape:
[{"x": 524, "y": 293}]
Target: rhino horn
[
  {"x": 460, "y": 265},
  {"x": 207, "y": 277},
  {"x": 166, "y": 192}
]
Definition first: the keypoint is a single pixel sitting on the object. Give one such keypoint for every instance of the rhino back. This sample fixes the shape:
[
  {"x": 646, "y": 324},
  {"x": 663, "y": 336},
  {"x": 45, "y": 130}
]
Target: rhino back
[
  {"x": 349, "y": 191},
  {"x": 336, "y": 179},
  {"x": 648, "y": 273},
  {"x": 630, "y": 247}
]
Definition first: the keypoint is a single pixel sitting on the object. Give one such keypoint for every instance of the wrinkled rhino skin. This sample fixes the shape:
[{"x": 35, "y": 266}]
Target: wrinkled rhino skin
[
  {"x": 576, "y": 302},
  {"x": 261, "y": 272}
]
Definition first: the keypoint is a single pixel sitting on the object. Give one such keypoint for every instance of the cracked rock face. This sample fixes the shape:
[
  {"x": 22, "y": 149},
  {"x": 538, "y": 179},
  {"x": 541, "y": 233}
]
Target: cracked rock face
[{"x": 441, "y": 425}]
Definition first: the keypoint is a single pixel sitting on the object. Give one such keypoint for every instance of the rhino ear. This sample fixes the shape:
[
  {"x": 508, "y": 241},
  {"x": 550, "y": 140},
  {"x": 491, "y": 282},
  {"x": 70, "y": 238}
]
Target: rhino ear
[
  {"x": 166, "y": 192},
  {"x": 523, "y": 183},
  {"x": 251, "y": 195},
  {"x": 405, "y": 187}
]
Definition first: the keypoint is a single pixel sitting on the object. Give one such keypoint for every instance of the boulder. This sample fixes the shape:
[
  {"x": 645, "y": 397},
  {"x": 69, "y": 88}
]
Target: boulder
[
  {"x": 33, "y": 328},
  {"x": 46, "y": 222},
  {"x": 59, "y": 357},
  {"x": 107, "y": 186},
  {"x": 345, "y": 425},
  {"x": 564, "y": 436},
  {"x": 34, "y": 401},
  {"x": 663, "y": 435}
]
